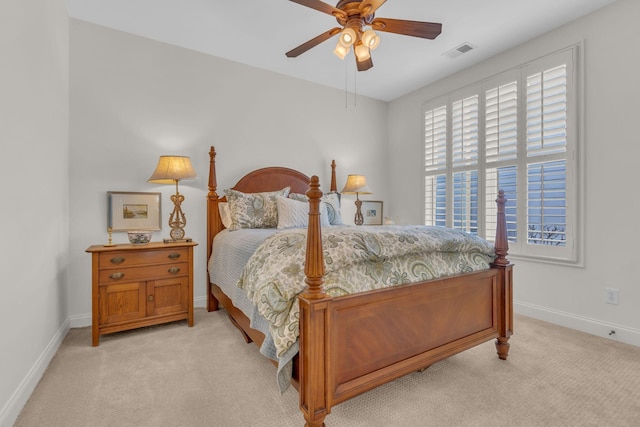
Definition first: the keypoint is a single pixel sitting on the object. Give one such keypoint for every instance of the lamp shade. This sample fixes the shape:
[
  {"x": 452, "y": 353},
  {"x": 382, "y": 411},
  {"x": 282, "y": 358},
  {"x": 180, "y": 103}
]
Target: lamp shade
[
  {"x": 171, "y": 169},
  {"x": 341, "y": 50},
  {"x": 370, "y": 39},
  {"x": 362, "y": 52},
  {"x": 347, "y": 37},
  {"x": 356, "y": 184}
]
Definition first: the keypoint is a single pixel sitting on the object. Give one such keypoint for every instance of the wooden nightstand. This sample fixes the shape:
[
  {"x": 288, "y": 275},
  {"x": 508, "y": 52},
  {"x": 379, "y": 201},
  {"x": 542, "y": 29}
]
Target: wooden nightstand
[{"x": 140, "y": 285}]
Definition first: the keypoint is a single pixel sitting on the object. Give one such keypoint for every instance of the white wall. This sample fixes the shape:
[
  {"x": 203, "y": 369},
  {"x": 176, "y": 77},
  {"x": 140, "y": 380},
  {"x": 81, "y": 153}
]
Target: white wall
[
  {"x": 569, "y": 296},
  {"x": 34, "y": 212},
  {"x": 133, "y": 99}
]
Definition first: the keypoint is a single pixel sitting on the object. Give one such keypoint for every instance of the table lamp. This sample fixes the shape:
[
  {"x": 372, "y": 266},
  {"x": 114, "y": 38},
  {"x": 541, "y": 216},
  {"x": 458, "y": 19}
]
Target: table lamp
[
  {"x": 170, "y": 170},
  {"x": 357, "y": 184}
]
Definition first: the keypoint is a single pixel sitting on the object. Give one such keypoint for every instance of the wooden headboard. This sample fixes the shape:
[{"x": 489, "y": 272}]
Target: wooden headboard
[
  {"x": 257, "y": 181},
  {"x": 273, "y": 179}
]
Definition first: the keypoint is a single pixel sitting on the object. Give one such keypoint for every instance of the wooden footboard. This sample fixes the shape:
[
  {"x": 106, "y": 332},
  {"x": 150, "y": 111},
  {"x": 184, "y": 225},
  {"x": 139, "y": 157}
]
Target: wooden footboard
[{"x": 351, "y": 344}]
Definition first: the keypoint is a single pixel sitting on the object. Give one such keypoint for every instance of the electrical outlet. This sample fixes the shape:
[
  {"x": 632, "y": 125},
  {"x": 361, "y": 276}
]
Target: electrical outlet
[{"x": 612, "y": 296}]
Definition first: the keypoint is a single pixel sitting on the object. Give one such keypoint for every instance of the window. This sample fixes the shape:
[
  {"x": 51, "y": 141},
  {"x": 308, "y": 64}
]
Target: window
[{"x": 517, "y": 132}]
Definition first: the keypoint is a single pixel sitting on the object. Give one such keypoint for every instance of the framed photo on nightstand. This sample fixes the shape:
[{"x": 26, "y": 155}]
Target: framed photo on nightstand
[
  {"x": 133, "y": 211},
  {"x": 372, "y": 212}
]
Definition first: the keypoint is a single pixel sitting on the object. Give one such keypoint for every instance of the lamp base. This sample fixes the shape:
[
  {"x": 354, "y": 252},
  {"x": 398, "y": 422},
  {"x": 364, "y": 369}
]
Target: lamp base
[
  {"x": 358, "y": 219},
  {"x": 186, "y": 239}
]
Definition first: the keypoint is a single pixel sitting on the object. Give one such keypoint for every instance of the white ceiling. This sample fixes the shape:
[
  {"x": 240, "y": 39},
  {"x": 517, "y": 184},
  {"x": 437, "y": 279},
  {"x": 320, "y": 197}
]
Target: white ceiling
[{"x": 259, "y": 32}]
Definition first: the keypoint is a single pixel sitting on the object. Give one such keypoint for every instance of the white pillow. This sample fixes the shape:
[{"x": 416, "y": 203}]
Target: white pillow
[
  {"x": 225, "y": 214},
  {"x": 330, "y": 202},
  {"x": 295, "y": 214}
]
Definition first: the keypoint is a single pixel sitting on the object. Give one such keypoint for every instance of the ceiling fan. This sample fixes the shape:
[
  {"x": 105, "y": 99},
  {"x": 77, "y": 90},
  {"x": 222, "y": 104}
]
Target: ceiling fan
[{"x": 358, "y": 21}]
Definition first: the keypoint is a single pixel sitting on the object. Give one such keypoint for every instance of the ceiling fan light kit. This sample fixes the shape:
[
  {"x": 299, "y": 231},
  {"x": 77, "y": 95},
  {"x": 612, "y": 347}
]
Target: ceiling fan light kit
[{"x": 358, "y": 22}]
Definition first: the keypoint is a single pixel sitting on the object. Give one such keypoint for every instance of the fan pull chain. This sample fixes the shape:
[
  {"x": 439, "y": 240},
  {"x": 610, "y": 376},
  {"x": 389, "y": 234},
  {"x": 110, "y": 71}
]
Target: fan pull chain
[
  {"x": 346, "y": 86},
  {"x": 355, "y": 88}
]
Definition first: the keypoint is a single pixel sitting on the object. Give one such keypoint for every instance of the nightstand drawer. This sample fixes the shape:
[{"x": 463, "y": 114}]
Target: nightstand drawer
[
  {"x": 121, "y": 275},
  {"x": 131, "y": 258}
]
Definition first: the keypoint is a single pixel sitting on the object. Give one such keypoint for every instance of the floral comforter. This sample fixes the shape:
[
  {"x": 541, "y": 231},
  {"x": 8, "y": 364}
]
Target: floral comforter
[{"x": 357, "y": 259}]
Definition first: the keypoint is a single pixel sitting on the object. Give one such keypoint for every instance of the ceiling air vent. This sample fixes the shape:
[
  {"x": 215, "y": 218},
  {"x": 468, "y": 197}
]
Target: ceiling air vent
[{"x": 459, "y": 50}]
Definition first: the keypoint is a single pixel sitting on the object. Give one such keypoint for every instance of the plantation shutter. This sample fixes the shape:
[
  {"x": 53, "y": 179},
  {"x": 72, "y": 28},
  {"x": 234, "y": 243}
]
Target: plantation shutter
[
  {"x": 546, "y": 111},
  {"x": 464, "y": 159},
  {"x": 435, "y": 163},
  {"x": 501, "y": 151}
]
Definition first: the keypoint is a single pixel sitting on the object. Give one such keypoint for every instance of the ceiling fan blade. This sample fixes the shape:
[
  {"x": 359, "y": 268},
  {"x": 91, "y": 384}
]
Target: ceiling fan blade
[
  {"x": 364, "y": 65},
  {"x": 313, "y": 42},
  {"x": 426, "y": 30},
  {"x": 322, "y": 7},
  {"x": 367, "y": 7}
]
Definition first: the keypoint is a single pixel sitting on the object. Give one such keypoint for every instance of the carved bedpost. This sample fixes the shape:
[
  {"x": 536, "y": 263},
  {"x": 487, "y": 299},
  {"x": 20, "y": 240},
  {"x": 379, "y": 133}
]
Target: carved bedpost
[
  {"x": 334, "y": 186},
  {"x": 314, "y": 263},
  {"x": 214, "y": 224},
  {"x": 502, "y": 241},
  {"x": 505, "y": 302},
  {"x": 314, "y": 320}
]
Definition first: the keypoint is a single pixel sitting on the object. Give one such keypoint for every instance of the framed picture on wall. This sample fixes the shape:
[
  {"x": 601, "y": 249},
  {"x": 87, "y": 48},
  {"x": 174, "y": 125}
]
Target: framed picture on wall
[
  {"x": 133, "y": 211},
  {"x": 372, "y": 212}
]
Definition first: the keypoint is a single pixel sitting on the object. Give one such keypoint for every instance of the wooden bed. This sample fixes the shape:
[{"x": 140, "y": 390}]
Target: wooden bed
[{"x": 351, "y": 344}]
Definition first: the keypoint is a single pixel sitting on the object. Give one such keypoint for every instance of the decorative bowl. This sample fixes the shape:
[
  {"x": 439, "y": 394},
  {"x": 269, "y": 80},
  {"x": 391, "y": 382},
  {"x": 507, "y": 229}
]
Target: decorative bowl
[{"x": 139, "y": 237}]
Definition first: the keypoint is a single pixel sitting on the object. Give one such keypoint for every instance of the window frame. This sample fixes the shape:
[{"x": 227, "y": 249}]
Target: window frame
[{"x": 571, "y": 253}]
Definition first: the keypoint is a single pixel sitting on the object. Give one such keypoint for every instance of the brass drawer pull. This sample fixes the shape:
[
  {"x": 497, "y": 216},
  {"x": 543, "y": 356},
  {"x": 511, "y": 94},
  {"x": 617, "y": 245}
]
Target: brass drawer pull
[
  {"x": 174, "y": 270},
  {"x": 117, "y": 260},
  {"x": 150, "y": 298},
  {"x": 116, "y": 276},
  {"x": 174, "y": 255}
]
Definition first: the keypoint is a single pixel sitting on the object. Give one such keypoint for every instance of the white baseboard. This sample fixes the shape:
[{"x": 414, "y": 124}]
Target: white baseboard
[
  {"x": 9, "y": 413},
  {"x": 80, "y": 320},
  {"x": 596, "y": 327}
]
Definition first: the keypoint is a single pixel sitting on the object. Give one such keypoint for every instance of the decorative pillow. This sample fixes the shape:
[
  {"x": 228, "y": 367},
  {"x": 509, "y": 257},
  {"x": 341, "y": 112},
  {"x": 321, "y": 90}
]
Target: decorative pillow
[
  {"x": 331, "y": 202},
  {"x": 295, "y": 214},
  {"x": 225, "y": 214},
  {"x": 254, "y": 210},
  {"x": 299, "y": 197}
]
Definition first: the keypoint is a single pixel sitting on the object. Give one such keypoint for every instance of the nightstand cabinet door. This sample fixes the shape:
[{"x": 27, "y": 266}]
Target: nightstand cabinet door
[
  {"x": 167, "y": 296},
  {"x": 140, "y": 285},
  {"x": 121, "y": 302}
]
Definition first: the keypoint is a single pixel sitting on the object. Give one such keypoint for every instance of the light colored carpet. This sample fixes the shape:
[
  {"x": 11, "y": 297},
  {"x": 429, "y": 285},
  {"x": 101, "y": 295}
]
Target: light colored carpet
[{"x": 172, "y": 375}]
